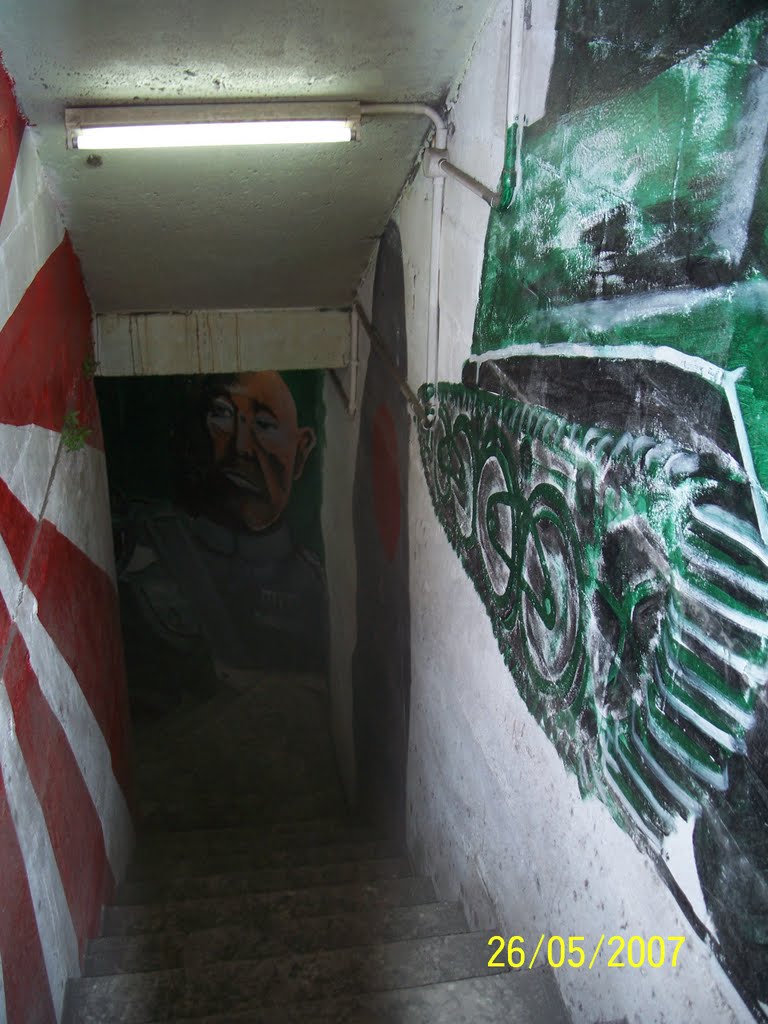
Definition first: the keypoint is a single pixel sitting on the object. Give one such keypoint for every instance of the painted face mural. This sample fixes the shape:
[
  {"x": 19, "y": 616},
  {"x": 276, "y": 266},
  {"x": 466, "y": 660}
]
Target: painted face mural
[
  {"x": 218, "y": 528},
  {"x": 601, "y": 468},
  {"x": 258, "y": 447}
]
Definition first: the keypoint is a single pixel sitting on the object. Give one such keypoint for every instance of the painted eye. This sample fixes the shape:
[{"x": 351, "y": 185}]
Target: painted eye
[
  {"x": 221, "y": 415},
  {"x": 264, "y": 423}
]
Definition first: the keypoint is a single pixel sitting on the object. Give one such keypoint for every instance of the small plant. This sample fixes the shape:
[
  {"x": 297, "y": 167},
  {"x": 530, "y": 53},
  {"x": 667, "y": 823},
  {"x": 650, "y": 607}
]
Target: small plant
[
  {"x": 90, "y": 365},
  {"x": 73, "y": 432}
]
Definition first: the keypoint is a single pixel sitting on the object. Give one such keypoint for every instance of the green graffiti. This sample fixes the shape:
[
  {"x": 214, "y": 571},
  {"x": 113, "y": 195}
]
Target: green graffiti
[
  {"x": 644, "y": 220},
  {"x": 619, "y": 584}
]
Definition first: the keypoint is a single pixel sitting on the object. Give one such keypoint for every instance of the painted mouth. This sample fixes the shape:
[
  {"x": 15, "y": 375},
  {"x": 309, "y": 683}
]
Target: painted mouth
[{"x": 244, "y": 483}]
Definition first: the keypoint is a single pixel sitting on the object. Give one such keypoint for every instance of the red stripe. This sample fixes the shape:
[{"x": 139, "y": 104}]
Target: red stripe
[
  {"x": 18, "y": 528},
  {"x": 11, "y": 132},
  {"x": 78, "y": 606},
  {"x": 27, "y": 994},
  {"x": 73, "y": 823},
  {"x": 43, "y": 348}
]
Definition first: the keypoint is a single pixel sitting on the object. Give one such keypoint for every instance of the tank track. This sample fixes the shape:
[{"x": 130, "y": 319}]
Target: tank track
[{"x": 627, "y": 586}]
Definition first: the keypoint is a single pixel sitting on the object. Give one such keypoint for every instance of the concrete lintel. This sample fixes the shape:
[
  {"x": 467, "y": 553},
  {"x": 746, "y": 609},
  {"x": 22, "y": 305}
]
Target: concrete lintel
[{"x": 220, "y": 341}]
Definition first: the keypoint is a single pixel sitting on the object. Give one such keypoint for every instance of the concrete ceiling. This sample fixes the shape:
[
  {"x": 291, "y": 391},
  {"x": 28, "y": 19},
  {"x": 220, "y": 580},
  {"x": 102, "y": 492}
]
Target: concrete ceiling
[{"x": 237, "y": 228}]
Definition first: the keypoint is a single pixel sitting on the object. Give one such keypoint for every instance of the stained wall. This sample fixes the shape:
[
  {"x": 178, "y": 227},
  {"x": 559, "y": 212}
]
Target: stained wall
[
  {"x": 586, "y": 516},
  {"x": 366, "y": 533},
  {"x": 66, "y": 830}
]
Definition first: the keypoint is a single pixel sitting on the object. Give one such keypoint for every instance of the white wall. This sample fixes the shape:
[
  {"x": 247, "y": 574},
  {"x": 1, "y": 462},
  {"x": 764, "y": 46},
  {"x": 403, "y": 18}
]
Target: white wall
[{"x": 495, "y": 816}]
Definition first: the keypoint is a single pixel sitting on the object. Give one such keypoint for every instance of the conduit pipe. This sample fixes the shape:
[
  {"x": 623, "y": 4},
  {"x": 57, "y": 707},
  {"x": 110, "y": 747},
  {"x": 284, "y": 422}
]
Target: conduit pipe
[
  {"x": 354, "y": 362},
  {"x": 417, "y": 109},
  {"x": 378, "y": 343},
  {"x": 436, "y": 167},
  {"x": 349, "y": 397},
  {"x": 438, "y": 186},
  {"x": 511, "y": 175}
]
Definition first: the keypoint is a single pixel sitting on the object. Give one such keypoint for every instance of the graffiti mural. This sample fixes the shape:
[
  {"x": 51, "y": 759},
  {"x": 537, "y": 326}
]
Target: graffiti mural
[
  {"x": 601, "y": 468},
  {"x": 617, "y": 572},
  {"x": 215, "y": 559}
]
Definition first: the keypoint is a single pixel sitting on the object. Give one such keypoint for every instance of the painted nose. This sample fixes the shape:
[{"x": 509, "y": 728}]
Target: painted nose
[{"x": 243, "y": 439}]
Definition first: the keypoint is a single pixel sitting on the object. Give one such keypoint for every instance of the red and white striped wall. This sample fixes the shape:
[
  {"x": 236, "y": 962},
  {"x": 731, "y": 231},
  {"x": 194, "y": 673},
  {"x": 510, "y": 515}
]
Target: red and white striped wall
[{"x": 65, "y": 824}]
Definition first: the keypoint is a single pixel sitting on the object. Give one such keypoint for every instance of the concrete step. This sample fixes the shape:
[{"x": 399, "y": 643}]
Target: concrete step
[
  {"x": 282, "y": 836},
  {"x": 520, "y": 997},
  {"x": 252, "y": 985},
  {"x": 162, "y": 951},
  {"x": 211, "y": 809},
  {"x": 261, "y": 880},
  {"x": 263, "y": 910},
  {"x": 192, "y": 863}
]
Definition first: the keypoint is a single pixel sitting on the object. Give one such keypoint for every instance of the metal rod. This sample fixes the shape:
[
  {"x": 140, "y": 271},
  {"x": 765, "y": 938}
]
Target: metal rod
[
  {"x": 339, "y": 388},
  {"x": 354, "y": 361},
  {"x": 382, "y": 350},
  {"x": 349, "y": 398},
  {"x": 451, "y": 171}
]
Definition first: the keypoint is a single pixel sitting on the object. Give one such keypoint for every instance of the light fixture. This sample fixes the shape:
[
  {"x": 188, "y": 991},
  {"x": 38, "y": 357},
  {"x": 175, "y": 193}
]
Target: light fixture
[{"x": 210, "y": 124}]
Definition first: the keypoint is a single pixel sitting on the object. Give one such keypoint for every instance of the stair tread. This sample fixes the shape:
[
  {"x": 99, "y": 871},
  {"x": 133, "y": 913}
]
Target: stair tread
[
  {"x": 123, "y": 954},
  {"x": 240, "y": 985},
  {"x": 190, "y": 863},
  {"x": 262, "y": 908},
  {"x": 211, "y": 810},
  {"x": 234, "y": 837},
  {"x": 525, "y": 997},
  {"x": 261, "y": 880}
]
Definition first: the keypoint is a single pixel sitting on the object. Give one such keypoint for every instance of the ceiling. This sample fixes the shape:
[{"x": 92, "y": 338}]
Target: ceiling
[{"x": 234, "y": 228}]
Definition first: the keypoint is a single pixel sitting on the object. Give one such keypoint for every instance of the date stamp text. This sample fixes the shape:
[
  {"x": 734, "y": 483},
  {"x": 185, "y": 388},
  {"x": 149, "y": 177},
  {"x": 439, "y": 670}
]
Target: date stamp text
[{"x": 573, "y": 951}]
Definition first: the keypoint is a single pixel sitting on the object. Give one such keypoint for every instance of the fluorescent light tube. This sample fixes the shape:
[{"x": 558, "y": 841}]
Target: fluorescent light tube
[
  {"x": 188, "y": 125},
  {"x": 243, "y": 133}
]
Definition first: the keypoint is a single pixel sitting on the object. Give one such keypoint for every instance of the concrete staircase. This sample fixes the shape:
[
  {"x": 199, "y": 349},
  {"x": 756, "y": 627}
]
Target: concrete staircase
[
  {"x": 316, "y": 921},
  {"x": 253, "y": 897}
]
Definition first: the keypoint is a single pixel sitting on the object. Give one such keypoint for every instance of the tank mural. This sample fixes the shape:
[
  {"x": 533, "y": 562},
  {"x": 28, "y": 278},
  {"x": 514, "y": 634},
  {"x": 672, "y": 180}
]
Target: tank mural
[
  {"x": 215, "y": 487},
  {"x": 601, "y": 467}
]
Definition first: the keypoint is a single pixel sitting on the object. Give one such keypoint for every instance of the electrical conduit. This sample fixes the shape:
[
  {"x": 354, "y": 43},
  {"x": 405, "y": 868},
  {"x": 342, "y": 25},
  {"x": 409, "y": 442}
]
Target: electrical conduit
[
  {"x": 510, "y": 175},
  {"x": 438, "y": 187}
]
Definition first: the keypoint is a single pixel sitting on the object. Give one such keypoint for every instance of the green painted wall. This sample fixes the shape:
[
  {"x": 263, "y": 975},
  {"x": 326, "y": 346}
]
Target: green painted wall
[
  {"x": 644, "y": 220},
  {"x": 601, "y": 468}
]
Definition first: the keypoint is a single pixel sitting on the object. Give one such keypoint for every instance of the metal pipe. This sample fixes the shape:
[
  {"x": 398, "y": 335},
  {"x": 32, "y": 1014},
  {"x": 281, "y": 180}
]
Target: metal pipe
[
  {"x": 354, "y": 361},
  {"x": 440, "y": 142},
  {"x": 515, "y": 70},
  {"x": 382, "y": 350},
  {"x": 512, "y": 173},
  {"x": 418, "y": 109},
  {"x": 438, "y": 185},
  {"x": 339, "y": 387},
  {"x": 479, "y": 189},
  {"x": 433, "y": 332}
]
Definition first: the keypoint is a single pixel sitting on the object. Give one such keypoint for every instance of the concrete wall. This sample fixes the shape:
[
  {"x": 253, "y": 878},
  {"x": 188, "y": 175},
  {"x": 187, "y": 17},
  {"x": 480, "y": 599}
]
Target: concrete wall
[
  {"x": 365, "y": 518},
  {"x": 340, "y": 462},
  {"x": 516, "y": 801},
  {"x": 65, "y": 824}
]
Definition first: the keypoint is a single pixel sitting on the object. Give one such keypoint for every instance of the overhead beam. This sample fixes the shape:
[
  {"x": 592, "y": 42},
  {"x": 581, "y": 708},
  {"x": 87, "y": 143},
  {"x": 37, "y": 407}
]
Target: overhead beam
[{"x": 220, "y": 341}]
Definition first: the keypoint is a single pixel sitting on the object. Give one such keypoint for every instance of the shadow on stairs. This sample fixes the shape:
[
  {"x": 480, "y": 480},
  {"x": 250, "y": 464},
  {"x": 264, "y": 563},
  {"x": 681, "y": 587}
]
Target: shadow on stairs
[{"x": 253, "y": 895}]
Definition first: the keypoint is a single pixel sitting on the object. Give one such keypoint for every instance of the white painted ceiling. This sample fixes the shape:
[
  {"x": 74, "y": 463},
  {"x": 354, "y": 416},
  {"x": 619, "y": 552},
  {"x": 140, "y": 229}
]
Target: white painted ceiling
[{"x": 234, "y": 228}]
